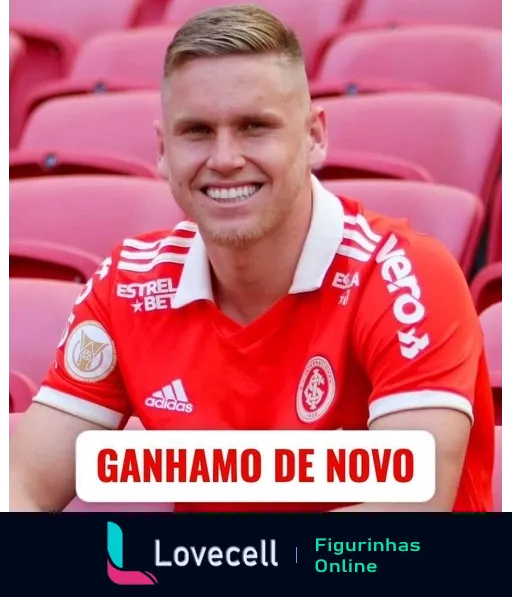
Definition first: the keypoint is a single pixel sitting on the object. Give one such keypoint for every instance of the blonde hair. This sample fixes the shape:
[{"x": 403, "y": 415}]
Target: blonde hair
[{"x": 230, "y": 30}]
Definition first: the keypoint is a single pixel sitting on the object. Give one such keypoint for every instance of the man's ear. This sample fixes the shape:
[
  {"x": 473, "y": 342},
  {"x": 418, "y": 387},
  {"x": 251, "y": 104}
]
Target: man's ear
[
  {"x": 163, "y": 169},
  {"x": 318, "y": 135}
]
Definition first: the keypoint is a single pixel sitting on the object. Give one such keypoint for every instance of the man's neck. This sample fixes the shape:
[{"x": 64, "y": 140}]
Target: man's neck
[{"x": 249, "y": 281}]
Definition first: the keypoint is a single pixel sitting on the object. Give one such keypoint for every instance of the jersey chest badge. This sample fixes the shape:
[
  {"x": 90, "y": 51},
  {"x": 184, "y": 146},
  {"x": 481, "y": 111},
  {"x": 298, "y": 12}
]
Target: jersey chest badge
[{"x": 316, "y": 391}]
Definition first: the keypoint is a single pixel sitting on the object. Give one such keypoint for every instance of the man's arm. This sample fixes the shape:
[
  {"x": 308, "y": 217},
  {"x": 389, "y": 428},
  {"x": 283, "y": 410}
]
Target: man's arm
[
  {"x": 417, "y": 335},
  {"x": 450, "y": 429},
  {"x": 42, "y": 459},
  {"x": 72, "y": 398}
]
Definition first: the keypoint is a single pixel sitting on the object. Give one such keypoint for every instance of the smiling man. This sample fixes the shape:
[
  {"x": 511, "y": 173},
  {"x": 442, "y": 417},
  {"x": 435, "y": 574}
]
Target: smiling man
[{"x": 275, "y": 305}]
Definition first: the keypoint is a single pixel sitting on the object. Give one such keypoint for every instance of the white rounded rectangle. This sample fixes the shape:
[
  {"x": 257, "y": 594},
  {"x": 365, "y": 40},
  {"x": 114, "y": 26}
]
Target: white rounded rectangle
[{"x": 255, "y": 466}]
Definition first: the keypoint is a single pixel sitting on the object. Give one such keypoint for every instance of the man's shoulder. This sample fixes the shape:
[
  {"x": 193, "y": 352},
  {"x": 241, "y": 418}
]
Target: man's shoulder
[
  {"x": 149, "y": 247},
  {"x": 155, "y": 237},
  {"x": 371, "y": 236}
]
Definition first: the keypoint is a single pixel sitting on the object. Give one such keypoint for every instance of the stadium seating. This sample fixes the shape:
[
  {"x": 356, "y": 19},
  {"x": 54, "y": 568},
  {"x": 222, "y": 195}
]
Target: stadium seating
[
  {"x": 76, "y": 20},
  {"x": 53, "y": 31},
  {"x": 150, "y": 12},
  {"x": 33, "y": 258},
  {"x": 478, "y": 13},
  {"x": 112, "y": 61},
  {"x": 494, "y": 241},
  {"x": 438, "y": 58},
  {"x": 16, "y": 50},
  {"x": 88, "y": 134},
  {"x": 78, "y": 505},
  {"x": 312, "y": 20},
  {"x": 90, "y": 214},
  {"x": 38, "y": 310},
  {"x": 17, "y": 57},
  {"x": 491, "y": 323},
  {"x": 486, "y": 286},
  {"x": 412, "y": 91},
  {"x": 21, "y": 391},
  {"x": 430, "y": 208},
  {"x": 349, "y": 164},
  {"x": 425, "y": 128},
  {"x": 498, "y": 465}
]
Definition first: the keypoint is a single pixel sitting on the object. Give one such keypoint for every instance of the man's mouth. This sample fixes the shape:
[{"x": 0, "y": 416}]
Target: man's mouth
[{"x": 231, "y": 194}]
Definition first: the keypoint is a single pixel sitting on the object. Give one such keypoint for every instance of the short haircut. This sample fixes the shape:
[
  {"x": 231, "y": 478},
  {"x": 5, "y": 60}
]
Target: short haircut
[{"x": 232, "y": 30}]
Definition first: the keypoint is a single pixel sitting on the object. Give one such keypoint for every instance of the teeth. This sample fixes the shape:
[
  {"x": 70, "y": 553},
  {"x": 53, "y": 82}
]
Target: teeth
[{"x": 232, "y": 195}]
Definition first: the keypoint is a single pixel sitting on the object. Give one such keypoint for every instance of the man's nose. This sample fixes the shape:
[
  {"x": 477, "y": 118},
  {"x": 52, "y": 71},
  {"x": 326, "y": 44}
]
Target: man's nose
[{"x": 226, "y": 154}]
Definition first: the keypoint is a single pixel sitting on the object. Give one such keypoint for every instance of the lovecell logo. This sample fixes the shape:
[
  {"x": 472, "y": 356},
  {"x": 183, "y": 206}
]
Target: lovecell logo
[{"x": 115, "y": 565}]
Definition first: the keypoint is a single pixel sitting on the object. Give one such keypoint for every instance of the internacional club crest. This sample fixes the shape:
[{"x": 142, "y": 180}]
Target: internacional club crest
[{"x": 316, "y": 390}]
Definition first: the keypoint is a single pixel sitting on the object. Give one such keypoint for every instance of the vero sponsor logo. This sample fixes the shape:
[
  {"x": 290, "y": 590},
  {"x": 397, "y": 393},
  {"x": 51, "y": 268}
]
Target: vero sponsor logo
[
  {"x": 408, "y": 309},
  {"x": 171, "y": 397}
]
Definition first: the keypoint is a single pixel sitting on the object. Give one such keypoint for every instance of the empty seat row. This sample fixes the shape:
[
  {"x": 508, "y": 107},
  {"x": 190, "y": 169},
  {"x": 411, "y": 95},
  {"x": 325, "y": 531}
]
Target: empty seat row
[
  {"x": 63, "y": 227},
  {"x": 402, "y": 135},
  {"x": 311, "y": 19},
  {"x": 73, "y": 222},
  {"x": 436, "y": 58},
  {"x": 432, "y": 57}
]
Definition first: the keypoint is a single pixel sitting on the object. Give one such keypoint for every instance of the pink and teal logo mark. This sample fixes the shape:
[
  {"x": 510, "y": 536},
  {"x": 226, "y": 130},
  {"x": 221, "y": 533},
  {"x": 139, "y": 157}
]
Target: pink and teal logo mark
[{"x": 115, "y": 564}]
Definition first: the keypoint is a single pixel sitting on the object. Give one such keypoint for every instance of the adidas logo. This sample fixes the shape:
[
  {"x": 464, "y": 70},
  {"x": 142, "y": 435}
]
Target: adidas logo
[{"x": 171, "y": 397}]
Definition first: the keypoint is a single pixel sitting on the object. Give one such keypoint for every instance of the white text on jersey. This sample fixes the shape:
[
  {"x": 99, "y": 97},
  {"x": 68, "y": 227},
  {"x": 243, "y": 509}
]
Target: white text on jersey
[
  {"x": 345, "y": 281},
  {"x": 156, "y": 295},
  {"x": 407, "y": 308},
  {"x": 160, "y": 286},
  {"x": 171, "y": 397}
]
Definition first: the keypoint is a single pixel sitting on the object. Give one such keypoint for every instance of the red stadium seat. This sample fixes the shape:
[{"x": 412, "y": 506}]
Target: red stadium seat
[
  {"x": 113, "y": 61},
  {"x": 53, "y": 31},
  {"x": 150, "y": 12},
  {"x": 346, "y": 164},
  {"x": 27, "y": 164},
  {"x": 456, "y": 138},
  {"x": 38, "y": 310},
  {"x": 17, "y": 60},
  {"x": 32, "y": 258},
  {"x": 89, "y": 213},
  {"x": 17, "y": 49},
  {"x": 491, "y": 322},
  {"x": 430, "y": 208},
  {"x": 110, "y": 133},
  {"x": 486, "y": 286},
  {"x": 312, "y": 20},
  {"x": 478, "y": 13},
  {"x": 77, "y": 20},
  {"x": 494, "y": 243},
  {"x": 21, "y": 391},
  {"x": 444, "y": 58},
  {"x": 498, "y": 468},
  {"x": 77, "y": 505}
]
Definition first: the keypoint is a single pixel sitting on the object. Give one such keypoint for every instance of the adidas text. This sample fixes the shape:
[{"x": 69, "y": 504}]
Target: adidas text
[{"x": 171, "y": 397}]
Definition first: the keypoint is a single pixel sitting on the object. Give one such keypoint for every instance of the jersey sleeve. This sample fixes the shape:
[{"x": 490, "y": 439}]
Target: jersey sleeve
[
  {"x": 84, "y": 378},
  {"x": 416, "y": 331}
]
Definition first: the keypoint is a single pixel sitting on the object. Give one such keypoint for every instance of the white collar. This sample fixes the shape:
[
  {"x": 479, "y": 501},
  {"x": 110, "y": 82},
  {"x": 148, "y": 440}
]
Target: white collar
[{"x": 323, "y": 239}]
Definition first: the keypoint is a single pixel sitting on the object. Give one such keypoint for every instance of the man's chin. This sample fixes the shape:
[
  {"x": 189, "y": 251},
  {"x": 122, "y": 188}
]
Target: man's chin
[{"x": 236, "y": 238}]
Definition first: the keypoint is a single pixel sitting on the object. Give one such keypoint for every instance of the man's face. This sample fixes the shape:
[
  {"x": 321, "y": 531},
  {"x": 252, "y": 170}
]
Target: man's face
[{"x": 237, "y": 142}]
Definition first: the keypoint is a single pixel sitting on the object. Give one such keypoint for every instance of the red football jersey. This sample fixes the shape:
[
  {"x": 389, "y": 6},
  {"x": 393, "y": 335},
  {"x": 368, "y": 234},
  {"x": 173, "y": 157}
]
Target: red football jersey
[{"x": 379, "y": 319}]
